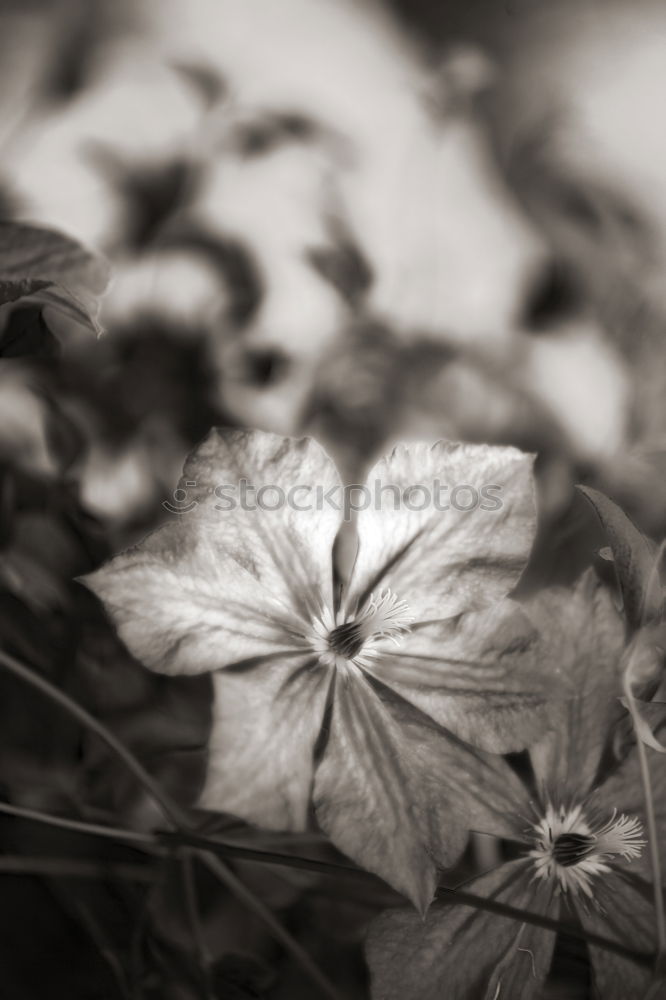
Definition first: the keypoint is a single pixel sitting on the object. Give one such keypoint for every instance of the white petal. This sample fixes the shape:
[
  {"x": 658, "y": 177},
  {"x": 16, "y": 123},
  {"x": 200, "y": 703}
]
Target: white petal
[
  {"x": 445, "y": 561},
  {"x": 221, "y": 583},
  {"x": 265, "y": 724}
]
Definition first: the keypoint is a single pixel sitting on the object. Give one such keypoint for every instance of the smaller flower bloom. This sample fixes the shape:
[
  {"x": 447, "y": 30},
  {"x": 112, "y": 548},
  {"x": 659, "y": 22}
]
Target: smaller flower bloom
[
  {"x": 583, "y": 854},
  {"x": 570, "y": 850}
]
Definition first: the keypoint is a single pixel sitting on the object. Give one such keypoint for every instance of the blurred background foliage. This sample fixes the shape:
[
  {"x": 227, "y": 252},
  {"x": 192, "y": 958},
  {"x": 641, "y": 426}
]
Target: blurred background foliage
[{"x": 366, "y": 223}]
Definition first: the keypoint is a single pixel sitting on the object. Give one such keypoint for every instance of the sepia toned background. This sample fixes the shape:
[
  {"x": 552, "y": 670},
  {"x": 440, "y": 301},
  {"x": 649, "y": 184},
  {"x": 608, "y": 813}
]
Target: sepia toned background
[{"x": 365, "y": 222}]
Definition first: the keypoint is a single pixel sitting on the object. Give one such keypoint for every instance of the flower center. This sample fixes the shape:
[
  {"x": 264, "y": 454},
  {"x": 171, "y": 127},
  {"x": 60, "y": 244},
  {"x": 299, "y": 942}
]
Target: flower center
[
  {"x": 571, "y": 851},
  {"x": 382, "y": 617},
  {"x": 570, "y": 848},
  {"x": 346, "y": 640}
]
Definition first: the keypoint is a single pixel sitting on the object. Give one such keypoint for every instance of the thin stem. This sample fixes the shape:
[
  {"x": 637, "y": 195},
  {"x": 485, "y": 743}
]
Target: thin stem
[
  {"x": 452, "y": 894},
  {"x": 653, "y": 847},
  {"x": 171, "y": 811},
  {"x": 175, "y": 817},
  {"x": 227, "y": 849},
  {"x": 186, "y": 838},
  {"x": 652, "y": 832},
  {"x": 77, "y": 826},
  {"x": 470, "y": 899},
  {"x": 72, "y": 868},
  {"x": 238, "y": 852},
  {"x": 192, "y": 906},
  {"x": 236, "y": 887}
]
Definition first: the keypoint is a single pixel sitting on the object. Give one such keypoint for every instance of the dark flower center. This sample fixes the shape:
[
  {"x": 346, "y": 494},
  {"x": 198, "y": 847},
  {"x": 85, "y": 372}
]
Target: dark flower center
[
  {"x": 570, "y": 848},
  {"x": 380, "y": 617},
  {"x": 346, "y": 640}
]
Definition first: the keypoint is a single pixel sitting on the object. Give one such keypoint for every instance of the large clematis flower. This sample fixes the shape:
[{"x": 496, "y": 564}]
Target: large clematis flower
[
  {"x": 582, "y": 834},
  {"x": 353, "y": 697}
]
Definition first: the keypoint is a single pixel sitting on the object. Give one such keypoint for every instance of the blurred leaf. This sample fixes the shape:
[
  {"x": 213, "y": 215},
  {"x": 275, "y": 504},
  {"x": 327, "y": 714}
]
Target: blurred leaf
[
  {"x": 52, "y": 267},
  {"x": 11, "y": 290},
  {"x": 242, "y": 977},
  {"x": 206, "y": 81},
  {"x": 26, "y": 333},
  {"x": 152, "y": 193},
  {"x": 33, "y": 583},
  {"x": 24, "y": 430},
  {"x": 344, "y": 266}
]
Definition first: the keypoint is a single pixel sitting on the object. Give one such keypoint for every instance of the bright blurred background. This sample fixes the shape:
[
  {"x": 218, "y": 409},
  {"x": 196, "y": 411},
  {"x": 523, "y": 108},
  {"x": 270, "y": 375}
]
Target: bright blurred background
[{"x": 387, "y": 222}]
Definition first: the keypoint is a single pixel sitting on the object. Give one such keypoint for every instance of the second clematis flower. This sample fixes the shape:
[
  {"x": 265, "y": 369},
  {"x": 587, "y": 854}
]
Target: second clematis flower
[
  {"x": 578, "y": 823},
  {"x": 358, "y": 698}
]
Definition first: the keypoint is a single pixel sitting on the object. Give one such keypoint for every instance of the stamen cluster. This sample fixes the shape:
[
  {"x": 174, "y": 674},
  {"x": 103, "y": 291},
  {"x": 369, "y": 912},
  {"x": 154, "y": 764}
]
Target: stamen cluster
[
  {"x": 572, "y": 852},
  {"x": 355, "y": 640}
]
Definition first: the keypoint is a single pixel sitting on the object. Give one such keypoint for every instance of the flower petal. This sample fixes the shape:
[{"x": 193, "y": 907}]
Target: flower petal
[
  {"x": 461, "y": 952},
  {"x": 444, "y": 561},
  {"x": 479, "y": 674},
  {"x": 225, "y": 581},
  {"x": 623, "y": 791},
  {"x": 624, "y": 914},
  {"x": 582, "y": 637},
  {"x": 396, "y": 793},
  {"x": 286, "y": 529},
  {"x": 266, "y": 721}
]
